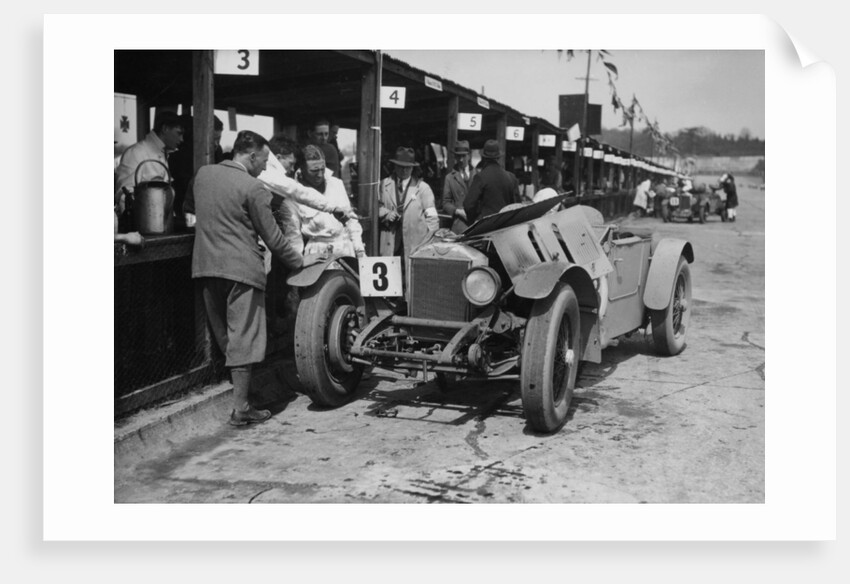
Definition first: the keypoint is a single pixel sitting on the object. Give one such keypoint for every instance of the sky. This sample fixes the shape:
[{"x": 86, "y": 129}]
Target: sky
[{"x": 721, "y": 90}]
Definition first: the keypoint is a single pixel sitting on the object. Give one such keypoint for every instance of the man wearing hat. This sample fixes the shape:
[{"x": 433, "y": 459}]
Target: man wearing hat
[
  {"x": 457, "y": 185},
  {"x": 492, "y": 188},
  {"x": 406, "y": 211}
]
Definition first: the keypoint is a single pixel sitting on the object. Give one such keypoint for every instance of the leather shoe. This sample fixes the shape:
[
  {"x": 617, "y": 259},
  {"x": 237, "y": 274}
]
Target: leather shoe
[{"x": 249, "y": 416}]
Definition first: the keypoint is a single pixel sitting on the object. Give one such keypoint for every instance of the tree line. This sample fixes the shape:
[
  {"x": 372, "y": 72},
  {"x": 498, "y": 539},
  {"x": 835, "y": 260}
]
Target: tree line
[{"x": 697, "y": 141}]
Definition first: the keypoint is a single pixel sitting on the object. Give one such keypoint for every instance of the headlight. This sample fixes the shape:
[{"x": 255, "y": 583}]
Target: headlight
[{"x": 481, "y": 285}]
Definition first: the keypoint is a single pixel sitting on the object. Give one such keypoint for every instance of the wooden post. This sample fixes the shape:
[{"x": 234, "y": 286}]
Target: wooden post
[
  {"x": 502, "y": 137},
  {"x": 143, "y": 119},
  {"x": 203, "y": 153},
  {"x": 602, "y": 174},
  {"x": 451, "y": 131},
  {"x": 369, "y": 150},
  {"x": 589, "y": 187},
  {"x": 204, "y": 108},
  {"x": 535, "y": 155},
  {"x": 559, "y": 157}
]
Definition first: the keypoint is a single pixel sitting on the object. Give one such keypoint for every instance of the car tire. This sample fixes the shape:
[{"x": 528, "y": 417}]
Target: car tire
[
  {"x": 323, "y": 327},
  {"x": 550, "y": 358},
  {"x": 670, "y": 326}
]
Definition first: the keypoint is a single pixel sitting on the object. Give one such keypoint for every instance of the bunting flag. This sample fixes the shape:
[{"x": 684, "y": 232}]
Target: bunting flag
[{"x": 634, "y": 112}]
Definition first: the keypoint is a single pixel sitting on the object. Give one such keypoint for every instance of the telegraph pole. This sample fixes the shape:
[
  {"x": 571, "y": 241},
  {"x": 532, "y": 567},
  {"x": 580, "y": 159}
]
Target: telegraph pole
[{"x": 581, "y": 141}]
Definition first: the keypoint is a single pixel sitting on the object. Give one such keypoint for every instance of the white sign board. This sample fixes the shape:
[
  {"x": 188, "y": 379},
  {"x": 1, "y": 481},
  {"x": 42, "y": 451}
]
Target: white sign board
[
  {"x": 587, "y": 152},
  {"x": 241, "y": 62},
  {"x": 597, "y": 154},
  {"x": 380, "y": 276},
  {"x": 515, "y": 133},
  {"x": 469, "y": 122},
  {"x": 608, "y": 158},
  {"x": 568, "y": 146},
  {"x": 546, "y": 140},
  {"x": 483, "y": 103},
  {"x": 393, "y": 97},
  {"x": 433, "y": 83}
]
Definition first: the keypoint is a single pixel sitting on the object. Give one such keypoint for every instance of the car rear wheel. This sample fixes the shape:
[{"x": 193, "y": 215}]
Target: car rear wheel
[
  {"x": 550, "y": 358},
  {"x": 325, "y": 327},
  {"x": 670, "y": 326}
]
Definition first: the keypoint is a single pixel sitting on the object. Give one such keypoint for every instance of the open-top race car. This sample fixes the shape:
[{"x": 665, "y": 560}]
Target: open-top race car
[
  {"x": 523, "y": 294},
  {"x": 698, "y": 203}
]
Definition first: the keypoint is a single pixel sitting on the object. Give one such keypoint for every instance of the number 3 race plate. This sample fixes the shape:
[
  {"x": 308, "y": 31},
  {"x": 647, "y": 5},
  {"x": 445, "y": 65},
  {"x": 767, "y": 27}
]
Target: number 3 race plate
[{"x": 380, "y": 276}]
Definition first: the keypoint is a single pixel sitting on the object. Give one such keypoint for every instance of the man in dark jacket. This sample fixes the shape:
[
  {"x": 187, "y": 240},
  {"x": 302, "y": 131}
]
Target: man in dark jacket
[
  {"x": 492, "y": 188},
  {"x": 456, "y": 186},
  {"x": 232, "y": 208}
]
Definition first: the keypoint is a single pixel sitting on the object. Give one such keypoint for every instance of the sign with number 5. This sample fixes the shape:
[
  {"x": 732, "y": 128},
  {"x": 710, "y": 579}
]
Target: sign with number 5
[
  {"x": 469, "y": 122},
  {"x": 380, "y": 276},
  {"x": 241, "y": 62}
]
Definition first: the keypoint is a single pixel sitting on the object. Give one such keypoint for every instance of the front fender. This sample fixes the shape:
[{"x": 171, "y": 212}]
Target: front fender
[
  {"x": 662, "y": 270},
  {"x": 539, "y": 281},
  {"x": 308, "y": 276}
]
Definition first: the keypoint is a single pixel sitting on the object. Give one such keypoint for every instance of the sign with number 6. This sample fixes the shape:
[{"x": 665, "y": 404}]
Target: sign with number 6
[
  {"x": 515, "y": 133},
  {"x": 380, "y": 276}
]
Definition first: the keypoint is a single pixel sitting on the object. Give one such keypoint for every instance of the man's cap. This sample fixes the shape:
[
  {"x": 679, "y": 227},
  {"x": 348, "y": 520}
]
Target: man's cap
[
  {"x": 461, "y": 147},
  {"x": 404, "y": 157},
  {"x": 491, "y": 150}
]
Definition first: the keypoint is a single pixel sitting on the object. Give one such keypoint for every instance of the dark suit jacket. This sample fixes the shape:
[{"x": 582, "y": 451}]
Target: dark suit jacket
[
  {"x": 232, "y": 208},
  {"x": 454, "y": 194},
  {"x": 491, "y": 189}
]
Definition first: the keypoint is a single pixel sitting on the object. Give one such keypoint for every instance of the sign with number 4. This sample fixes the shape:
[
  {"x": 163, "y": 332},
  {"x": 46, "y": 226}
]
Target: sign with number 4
[
  {"x": 393, "y": 97},
  {"x": 380, "y": 276}
]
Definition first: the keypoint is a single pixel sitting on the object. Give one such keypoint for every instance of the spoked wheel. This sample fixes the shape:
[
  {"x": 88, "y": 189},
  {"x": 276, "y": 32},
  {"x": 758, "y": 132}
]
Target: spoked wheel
[
  {"x": 325, "y": 329},
  {"x": 550, "y": 358},
  {"x": 670, "y": 326}
]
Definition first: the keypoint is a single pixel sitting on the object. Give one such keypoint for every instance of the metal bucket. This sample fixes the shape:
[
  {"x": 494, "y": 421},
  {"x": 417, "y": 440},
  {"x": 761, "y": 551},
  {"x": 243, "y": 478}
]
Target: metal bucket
[{"x": 153, "y": 203}]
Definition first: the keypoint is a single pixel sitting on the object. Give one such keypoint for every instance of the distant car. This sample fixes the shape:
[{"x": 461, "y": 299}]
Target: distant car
[
  {"x": 524, "y": 294},
  {"x": 699, "y": 203}
]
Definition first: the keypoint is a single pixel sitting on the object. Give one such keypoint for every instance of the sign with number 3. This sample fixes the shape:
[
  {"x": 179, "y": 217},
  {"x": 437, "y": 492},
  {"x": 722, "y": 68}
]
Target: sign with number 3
[
  {"x": 380, "y": 276},
  {"x": 241, "y": 62}
]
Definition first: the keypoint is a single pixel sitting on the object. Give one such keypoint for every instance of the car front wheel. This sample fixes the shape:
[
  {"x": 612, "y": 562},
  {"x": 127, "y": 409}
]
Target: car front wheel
[
  {"x": 325, "y": 328},
  {"x": 669, "y": 326},
  {"x": 550, "y": 359}
]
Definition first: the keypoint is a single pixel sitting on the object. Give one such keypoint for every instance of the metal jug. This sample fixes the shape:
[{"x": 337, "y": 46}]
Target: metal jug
[{"x": 153, "y": 202}]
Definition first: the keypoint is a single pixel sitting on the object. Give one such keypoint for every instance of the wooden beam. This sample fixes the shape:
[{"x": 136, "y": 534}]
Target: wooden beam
[
  {"x": 502, "y": 136},
  {"x": 203, "y": 105},
  {"x": 369, "y": 153},
  {"x": 451, "y": 130},
  {"x": 535, "y": 155}
]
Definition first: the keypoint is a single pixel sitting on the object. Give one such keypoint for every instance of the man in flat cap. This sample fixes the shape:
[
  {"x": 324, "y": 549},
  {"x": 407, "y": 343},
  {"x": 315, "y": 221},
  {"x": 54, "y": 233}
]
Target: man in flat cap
[
  {"x": 492, "y": 188},
  {"x": 456, "y": 186}
]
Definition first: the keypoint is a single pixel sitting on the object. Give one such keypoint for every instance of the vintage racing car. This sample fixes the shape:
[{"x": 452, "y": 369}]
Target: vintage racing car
[
  {"x": 698, "y": 203},
  {"x": 523, "y": 294}
]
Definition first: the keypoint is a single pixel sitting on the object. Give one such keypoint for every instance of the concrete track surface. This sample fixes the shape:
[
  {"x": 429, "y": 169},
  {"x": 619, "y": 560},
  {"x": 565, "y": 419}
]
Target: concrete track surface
[{"x": 642, "y": 428}]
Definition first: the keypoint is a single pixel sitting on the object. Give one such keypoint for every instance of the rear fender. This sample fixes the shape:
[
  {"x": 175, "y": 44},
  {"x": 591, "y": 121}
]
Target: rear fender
[
  {"x": 662, "y": 270},
  {"x": 304, "y": 277}
]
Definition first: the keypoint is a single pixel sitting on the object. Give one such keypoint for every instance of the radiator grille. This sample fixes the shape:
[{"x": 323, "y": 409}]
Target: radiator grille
[{"x": 435, "y": 289}]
